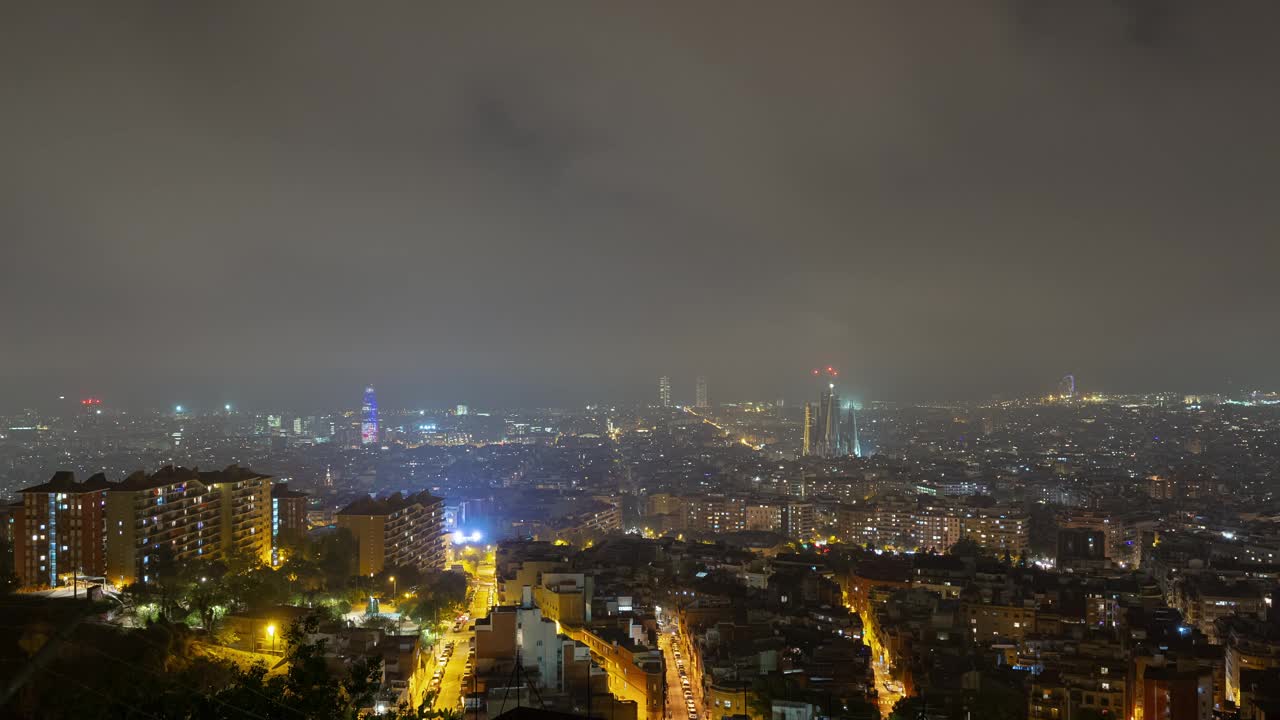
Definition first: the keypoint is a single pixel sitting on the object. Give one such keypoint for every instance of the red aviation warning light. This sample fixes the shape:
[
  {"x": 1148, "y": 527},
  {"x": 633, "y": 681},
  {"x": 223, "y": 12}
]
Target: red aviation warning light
[{"x": 91, "y": 401}]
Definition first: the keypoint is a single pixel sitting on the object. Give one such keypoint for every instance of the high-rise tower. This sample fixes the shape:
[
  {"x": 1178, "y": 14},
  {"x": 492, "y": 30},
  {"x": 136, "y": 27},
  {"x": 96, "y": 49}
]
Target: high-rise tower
[
  {"x": 664, "y": 391},
  {"x": 855, "y": 443},
  {"x": 700, "y": 393},
  {"x": 807, "y": 447},
  {"x": 369, "y": 418},
  {"x": 1067, "y": 387},
  {"x": 822, "y": 419}
]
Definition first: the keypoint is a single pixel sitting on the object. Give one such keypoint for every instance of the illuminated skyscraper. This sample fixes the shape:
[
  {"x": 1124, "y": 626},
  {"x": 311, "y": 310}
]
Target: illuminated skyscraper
[
  {"x": 855, "y": 442},
  {"x": 369, "y": 418},
  {"x": 1067, "y": 387},
  {"x": 664, "y": 391},
  {"x": 822, "y": 419},
  {"x": 700, "y": 393},
  {"x": 807, "y": 447}
]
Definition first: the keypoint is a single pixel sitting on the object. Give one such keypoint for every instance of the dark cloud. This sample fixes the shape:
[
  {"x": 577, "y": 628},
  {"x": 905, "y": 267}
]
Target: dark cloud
[{"x": 564, "y": 200}]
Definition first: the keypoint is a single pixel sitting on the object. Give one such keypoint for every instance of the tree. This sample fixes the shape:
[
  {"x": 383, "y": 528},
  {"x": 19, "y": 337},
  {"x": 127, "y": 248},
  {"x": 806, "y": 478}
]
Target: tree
[
  {"x": 307, "y": 690},
  {"x": 908, "y": 708},
  {"x": 861, "y": 709},
  {"x": 155, "y": 673},
  {"x": 967, "y": 547},
  {"x": 406, "y": 576},
  {"x": 441, "y": 595},
  {"x": 9, "y": 580},
  {"x": 205, "y": 599}
]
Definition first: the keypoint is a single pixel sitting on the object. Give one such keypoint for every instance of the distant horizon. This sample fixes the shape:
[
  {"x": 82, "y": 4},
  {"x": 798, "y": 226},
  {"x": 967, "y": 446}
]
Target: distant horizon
[{"x": 392, "y": 401}]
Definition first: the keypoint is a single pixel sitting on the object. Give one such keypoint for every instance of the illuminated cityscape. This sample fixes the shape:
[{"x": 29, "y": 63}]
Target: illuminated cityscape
[
  {"x": 651, "y": 361},
  {"x": 908, "y": 538}
]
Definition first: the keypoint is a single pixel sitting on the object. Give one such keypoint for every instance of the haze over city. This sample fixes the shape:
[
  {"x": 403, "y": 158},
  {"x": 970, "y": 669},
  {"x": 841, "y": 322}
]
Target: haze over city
[{"x": 551, "y": 204}]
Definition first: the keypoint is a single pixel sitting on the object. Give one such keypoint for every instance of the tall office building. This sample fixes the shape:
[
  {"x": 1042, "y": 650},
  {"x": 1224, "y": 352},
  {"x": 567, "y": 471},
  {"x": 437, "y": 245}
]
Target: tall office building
[
  {"x": 369, "y": 418},
  {"x": 700, "y": 393},
  {"x": 396, "y": 531},
  {"x": 664, "y": 391}
]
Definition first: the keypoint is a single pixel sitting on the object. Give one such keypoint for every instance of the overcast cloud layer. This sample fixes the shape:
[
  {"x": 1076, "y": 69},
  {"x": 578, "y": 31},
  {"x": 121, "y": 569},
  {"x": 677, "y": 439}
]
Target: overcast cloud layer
[{"x": 549, "y": 201}]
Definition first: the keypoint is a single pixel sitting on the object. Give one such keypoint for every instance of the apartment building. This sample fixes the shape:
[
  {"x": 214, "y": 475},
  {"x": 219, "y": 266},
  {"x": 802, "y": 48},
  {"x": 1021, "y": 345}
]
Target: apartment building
[
  {"x": 188, "y": 515},
  {"x": 396, "y": 531},
  {"x": 59, "y": 529}
]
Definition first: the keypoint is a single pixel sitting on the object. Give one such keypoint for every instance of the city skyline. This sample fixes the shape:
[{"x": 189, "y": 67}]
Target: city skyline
[{"x": 416, "y": 399}]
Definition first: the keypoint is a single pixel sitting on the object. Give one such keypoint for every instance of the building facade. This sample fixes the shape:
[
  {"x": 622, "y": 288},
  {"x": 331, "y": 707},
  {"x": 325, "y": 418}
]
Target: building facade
[
  {"x": 288, "y": 519},
  {"x": 60, "y": 529},
  {"x": 397, "y": 531},
  {"x": 186, "y": 515},
  {"x": 369, "y": 418}
]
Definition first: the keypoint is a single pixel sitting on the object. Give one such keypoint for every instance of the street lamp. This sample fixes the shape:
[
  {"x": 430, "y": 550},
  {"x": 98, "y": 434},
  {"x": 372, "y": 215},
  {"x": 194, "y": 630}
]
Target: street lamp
[
  {"x": 271, "y": 630},
  {"x": 393, "y": 586}
]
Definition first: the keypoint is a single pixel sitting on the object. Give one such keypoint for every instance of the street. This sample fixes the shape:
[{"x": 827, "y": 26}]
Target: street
[
  {"x": 888, "y": 691},
  {"x": 677, "y": 704},
  {"x": 451, "y": 690}
]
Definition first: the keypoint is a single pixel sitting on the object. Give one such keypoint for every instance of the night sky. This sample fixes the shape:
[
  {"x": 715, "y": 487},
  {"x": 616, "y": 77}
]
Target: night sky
[{"x": 551, "y": 202}]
